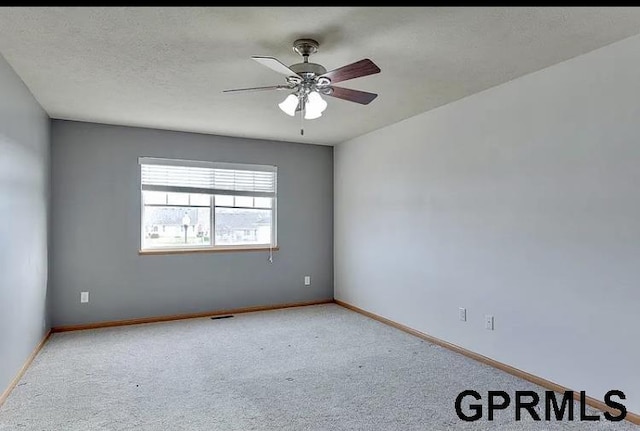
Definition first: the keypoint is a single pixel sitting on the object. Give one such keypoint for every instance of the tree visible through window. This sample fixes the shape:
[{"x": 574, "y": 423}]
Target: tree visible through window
[{"x": 192, "y": 204}]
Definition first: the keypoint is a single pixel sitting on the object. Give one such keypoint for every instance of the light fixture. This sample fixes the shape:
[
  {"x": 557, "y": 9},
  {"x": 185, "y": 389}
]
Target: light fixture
[
  {"x": 315, "y": 106},
  {"x": 312, "y": 115},
  {"x": 289, "y": 105},
  {"x": 308, "y": 101},
  {"x": 307, "y": 82}
]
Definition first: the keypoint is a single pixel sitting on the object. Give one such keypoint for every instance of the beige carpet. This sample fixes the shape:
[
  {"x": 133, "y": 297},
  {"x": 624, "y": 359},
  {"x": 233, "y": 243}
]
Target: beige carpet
[{"x": 309, "y": 368}]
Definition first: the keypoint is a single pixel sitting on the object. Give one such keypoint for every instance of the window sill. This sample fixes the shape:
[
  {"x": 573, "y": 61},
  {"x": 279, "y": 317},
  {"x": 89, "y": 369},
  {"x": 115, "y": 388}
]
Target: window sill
[{"x": 205, "y": 250}]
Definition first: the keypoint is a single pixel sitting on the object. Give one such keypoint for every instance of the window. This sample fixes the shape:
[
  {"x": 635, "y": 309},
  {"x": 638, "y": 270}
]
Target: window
[{"x": 192, "y": 204}]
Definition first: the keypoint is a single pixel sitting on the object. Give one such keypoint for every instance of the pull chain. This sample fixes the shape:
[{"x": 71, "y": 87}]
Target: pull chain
[{"x": 302, "y": 120}]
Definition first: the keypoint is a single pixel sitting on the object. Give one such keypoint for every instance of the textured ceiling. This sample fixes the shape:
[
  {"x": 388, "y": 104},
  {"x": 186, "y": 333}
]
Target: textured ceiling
[{"x": 166, "y": 67}]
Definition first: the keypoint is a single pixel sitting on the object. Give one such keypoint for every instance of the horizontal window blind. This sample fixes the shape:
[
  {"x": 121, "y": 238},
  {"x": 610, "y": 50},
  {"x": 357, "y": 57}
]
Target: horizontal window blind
[{"x": 190, "y": 176}]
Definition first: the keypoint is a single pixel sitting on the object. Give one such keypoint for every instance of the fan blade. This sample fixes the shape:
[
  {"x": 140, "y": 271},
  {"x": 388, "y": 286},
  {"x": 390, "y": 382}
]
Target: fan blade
[
  {"x": 274, "y": 64},
  {"x": 272, "y": 87},
  {"x": 357, "y": 96},
  {"x": 354, "y": 70}
]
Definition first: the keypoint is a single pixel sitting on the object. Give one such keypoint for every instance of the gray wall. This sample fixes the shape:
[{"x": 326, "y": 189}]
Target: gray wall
[
  {"x": 96, "y": 227},
  {"x": 521, "y": 202},
  {"x": 24, "y": 196}
]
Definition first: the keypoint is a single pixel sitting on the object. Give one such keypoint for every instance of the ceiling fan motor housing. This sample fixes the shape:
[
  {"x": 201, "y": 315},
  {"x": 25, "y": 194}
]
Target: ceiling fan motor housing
[{"x": 303, "y": 69}]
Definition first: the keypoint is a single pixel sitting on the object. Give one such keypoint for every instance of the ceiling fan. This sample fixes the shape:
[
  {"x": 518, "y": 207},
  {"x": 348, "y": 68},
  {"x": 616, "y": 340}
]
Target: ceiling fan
[{"x": 308, "y": 81}]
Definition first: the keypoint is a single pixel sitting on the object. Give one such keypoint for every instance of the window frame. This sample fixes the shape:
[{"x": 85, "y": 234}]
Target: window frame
[{"x": 212, "y": 247}]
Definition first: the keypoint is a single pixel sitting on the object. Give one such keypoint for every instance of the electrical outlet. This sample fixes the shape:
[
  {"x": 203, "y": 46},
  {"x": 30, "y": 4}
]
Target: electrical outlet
[
  {"x": 307, "y": 280},
  {"x": 84, "y": 297},
  {"x": 488, "y": 322},
  {"x": 463, "y": 314}
]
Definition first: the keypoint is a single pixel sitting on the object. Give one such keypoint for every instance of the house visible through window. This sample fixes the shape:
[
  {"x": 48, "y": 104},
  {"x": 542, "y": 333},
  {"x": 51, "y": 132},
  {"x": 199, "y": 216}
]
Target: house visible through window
[{"x": 194, "y": 204}]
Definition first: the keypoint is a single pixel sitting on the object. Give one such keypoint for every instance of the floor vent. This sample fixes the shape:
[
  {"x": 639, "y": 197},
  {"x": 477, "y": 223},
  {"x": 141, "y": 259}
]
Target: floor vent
[{"x": 221, "y": 317}]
